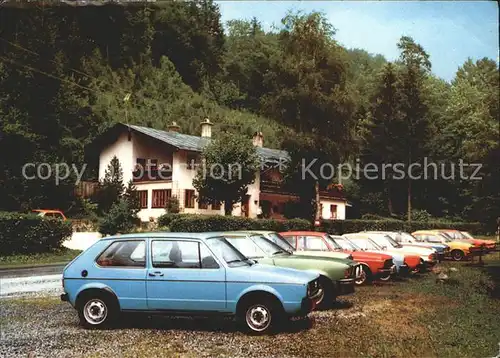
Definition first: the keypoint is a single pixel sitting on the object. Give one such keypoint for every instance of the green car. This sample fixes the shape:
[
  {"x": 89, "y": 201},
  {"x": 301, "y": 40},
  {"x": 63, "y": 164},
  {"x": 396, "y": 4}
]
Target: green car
[{"x": 337, "y": 276}]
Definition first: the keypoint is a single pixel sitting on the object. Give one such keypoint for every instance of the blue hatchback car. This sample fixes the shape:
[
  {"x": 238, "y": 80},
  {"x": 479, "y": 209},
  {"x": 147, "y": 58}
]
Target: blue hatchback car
[{"x": 181, "y": 273}]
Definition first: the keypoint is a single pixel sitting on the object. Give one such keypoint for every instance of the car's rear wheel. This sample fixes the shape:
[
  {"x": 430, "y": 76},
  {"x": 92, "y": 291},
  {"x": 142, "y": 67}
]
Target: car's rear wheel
[
  {"x": 96, "y": 310},
  {"x": 364, "y": 277},
  {"x": 457, "y": 255}
]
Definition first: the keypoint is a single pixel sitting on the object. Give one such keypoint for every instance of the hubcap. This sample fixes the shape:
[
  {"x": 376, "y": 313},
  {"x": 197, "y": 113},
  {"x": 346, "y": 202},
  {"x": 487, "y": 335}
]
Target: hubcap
[
  {"x": 362, "y": 278},
  {"x": 95, "y": 311},
  {"x": 321, "y": 295},
  {"x": 258, "y": 318},
  {"x": 457, "y": 255}
]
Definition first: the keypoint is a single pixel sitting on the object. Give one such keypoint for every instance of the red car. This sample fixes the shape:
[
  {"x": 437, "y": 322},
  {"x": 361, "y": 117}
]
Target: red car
[{"x": 375, "y": 265}]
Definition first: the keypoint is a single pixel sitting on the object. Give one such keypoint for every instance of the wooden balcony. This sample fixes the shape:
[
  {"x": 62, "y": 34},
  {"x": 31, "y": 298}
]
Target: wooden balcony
[{"x": 151, "y": 175}]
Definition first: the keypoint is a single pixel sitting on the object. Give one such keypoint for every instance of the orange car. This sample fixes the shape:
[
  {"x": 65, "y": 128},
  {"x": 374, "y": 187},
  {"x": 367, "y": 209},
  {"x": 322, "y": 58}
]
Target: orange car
[
  {"x": 50, "y": 214},
  {"x": 457, "y": 235}
]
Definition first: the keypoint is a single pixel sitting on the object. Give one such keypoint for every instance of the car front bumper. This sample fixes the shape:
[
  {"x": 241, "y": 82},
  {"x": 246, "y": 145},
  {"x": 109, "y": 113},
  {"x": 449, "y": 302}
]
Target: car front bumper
[
  {"x": 308, "y": 305},
  {"x": 345, "y": 286}
]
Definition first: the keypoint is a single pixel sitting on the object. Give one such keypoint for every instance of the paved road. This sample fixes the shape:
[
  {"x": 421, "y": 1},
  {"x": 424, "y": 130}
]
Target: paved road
[
  {"x": 32, "y": 271},
  {"x": 44, "y": 280}
]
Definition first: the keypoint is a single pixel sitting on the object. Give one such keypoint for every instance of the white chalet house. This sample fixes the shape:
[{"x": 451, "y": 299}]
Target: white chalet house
[{"x": 165, "y": 158}]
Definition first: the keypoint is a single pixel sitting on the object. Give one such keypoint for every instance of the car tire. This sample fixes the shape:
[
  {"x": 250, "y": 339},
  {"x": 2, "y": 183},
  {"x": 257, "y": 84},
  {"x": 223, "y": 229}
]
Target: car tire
[
  {"x": 457, "y": 255},
  {"x": 97, "y": 310},
  {"x": 260, "y": 316},
  {"x": 325, "y": 301},
  {"x": 366, "y": 276}
]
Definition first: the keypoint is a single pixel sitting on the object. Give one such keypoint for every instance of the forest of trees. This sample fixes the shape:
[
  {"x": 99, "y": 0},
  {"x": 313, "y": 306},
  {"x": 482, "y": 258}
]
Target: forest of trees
[{"x": 65, "y": 71}]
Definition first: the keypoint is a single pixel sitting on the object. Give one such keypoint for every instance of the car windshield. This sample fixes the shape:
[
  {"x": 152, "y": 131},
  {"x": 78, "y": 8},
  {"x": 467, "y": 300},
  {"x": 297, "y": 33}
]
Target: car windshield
[
  {"x": 331, "y": 241},
  {"x": 223, "y": 249},
  {"x": 365, "y": 243},
  {"x": 408, "y": 237},
  {"x": 467, "y": 234},
  {"x": 280, "y": 241},
  {"x": 346, "y": 244},
  {"x": 384, "y": 240},
  {"x": 255, "y": 246}
]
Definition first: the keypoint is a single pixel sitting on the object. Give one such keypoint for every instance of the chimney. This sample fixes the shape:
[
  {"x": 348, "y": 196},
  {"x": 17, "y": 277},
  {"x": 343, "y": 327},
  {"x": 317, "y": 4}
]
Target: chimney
[
  {"x": 174, "y": 127},
  {"x": 258, "y": 139},
  {"x": 206, "y": 128}
]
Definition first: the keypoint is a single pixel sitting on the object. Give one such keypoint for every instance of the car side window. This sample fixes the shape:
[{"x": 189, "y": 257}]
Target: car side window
[
  {"x": 181, "y": 254},
  {"x": 433, "y": 238},
  {"x": 124, "y": 254},
  {"x": 314, "y": 243}
]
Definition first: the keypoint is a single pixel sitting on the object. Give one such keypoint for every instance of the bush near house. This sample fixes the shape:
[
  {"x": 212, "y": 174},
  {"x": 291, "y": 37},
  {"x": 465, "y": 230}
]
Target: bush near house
[
  {"x": 345, "y": 226},
  {"x": 27, "y": 233},
  {"x": 201, "y": 223}
]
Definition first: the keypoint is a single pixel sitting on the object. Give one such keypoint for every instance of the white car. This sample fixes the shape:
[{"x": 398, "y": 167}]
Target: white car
[
  {"x": 407, "y": 239},
  {"x": 428, "y": 255}
]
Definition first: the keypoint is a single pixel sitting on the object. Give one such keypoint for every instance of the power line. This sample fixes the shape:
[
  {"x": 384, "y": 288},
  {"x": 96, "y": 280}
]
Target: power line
[
  {"x": 37, "y": 54},
  {"x": 48, "y": 74}
]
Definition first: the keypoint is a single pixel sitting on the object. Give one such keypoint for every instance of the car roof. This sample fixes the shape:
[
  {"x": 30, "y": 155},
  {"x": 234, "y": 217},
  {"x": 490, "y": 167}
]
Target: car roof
[
  {"x": 164, "y": 234},
  {"x": 47, "y": 211},
  {"x": 305, "y": 232}
]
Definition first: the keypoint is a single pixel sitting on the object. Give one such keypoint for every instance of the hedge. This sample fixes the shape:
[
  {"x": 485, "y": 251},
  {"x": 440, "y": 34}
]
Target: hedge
[
  {"x": 28, "y": 233},
  {"x": 201, "y": 223},
  {"x": 346, "y": 226}
]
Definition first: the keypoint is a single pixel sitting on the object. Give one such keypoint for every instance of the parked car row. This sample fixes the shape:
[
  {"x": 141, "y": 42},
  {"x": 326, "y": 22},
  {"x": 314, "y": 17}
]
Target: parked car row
[{"x": 260, "y": 277}]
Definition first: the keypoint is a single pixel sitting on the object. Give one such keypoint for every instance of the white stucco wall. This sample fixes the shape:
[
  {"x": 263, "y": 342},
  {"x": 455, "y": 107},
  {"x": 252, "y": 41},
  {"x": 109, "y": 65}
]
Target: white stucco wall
[
  {"x": 325, "y": 214},
  {"x": 123, "y": 149}
]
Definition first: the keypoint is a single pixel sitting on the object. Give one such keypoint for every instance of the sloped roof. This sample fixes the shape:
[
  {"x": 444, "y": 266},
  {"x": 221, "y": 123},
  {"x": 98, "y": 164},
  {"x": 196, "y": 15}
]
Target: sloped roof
[{"x": 196, "y": 144}]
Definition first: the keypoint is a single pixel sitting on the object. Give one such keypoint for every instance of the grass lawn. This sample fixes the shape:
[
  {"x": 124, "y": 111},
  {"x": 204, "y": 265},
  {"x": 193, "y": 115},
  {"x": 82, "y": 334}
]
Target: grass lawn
[
  {"x": 415, "y": 317},
  {"x": 62, "y": 255}
]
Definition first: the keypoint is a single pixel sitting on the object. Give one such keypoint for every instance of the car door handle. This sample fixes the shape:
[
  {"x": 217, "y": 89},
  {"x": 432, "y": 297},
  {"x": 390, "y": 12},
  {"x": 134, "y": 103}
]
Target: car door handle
[{"x": 154, "y": 274}]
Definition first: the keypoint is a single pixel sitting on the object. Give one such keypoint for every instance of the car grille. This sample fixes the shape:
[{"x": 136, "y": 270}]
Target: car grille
[{"x": 388, "y": 263}]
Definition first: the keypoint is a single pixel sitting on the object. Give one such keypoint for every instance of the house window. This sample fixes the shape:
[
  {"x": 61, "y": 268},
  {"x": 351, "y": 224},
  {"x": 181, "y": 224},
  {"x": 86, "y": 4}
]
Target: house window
[
  {"x": 192, "y": 160},
  {"x": 202, "y": 204},
  {"x": 189, "y": 199},
  {"x": 333, "y": 211},
  {"x": 216, "y": 205},
  {"x": 160, "y": 197},
  {"x": 143, "y": 198}
]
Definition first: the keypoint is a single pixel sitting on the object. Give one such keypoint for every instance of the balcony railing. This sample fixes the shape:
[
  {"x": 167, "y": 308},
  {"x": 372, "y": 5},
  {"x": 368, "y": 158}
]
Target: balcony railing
[
  {"x": 271, "y": 186},
  {"x": 151, "y": 175}
]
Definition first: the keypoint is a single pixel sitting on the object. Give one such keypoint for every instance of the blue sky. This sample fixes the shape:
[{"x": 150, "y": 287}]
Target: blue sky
[{"x": 449, "y": 31}]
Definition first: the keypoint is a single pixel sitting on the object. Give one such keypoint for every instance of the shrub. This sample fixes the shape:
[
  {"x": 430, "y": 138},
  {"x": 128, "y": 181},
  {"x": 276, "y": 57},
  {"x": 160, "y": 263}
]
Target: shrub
[
  {"x": 165, "y": 219},
  {"x": 421, "y": 215},
  {"x": 172, "y": 205},
  {"x": 201, "y": 223},
  {"x": 28, "y": 233},
  {"x": 377, "y": 217},
  {"x": 121, "y": 218},
  {"x": 346, "y": 226}
]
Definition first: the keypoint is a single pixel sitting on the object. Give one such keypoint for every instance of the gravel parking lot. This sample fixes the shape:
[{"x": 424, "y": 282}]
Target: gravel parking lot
[{"x": 413, "y": 317}]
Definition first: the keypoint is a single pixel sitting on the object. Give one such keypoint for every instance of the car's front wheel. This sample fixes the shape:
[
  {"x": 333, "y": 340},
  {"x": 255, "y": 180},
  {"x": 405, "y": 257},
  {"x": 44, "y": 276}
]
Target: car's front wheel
[
  {"x": 457, "y": 255},
  {"x": 260, "y": 317},
  {"x": 96, "y": 311},
  {"x": 364, "y": 277}
]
